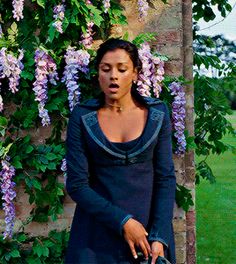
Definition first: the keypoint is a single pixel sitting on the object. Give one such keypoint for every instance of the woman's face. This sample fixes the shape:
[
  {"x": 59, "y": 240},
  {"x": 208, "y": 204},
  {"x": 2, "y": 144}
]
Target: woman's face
[{"x": 116, "y": 74}]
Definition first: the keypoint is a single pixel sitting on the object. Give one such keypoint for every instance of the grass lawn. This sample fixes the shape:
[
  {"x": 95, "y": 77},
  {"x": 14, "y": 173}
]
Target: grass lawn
[{"x": 216, "y": 209}]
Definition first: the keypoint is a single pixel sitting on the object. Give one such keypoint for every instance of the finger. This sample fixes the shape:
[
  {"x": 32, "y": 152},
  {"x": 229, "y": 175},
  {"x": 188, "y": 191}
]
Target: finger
[
  {"x": 148, "y": 247},
  {"x": 154, "y": 258},
  {"x": 144, "y": 249},
  {"x": 132, "y": 248}
]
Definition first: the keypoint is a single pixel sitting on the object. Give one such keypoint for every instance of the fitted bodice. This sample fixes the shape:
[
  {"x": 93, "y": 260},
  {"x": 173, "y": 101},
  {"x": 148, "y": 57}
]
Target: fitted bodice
[{"x": 125, "y": 146}]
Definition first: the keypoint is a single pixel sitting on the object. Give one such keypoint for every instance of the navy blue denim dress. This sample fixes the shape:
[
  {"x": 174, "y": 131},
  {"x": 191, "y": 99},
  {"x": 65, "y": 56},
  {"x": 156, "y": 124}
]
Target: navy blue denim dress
[{"x": 111, "y": 183}]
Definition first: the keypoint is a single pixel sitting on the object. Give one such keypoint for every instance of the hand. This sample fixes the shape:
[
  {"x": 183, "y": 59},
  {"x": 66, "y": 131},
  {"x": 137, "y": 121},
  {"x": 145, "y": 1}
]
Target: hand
[
  {"x": 157, "y": 249},
  {"x": 135, "y": 235}
]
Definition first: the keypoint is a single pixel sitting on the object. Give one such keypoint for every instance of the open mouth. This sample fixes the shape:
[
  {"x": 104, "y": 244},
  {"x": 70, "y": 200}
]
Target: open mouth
[{"x": 113, "y": 85}]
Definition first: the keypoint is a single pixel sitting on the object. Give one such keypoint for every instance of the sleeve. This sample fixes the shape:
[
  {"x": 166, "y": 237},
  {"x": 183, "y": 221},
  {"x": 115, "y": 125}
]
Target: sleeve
[
  {"x": 164, "y": 185},
  {"x": 77, "y": 183}
]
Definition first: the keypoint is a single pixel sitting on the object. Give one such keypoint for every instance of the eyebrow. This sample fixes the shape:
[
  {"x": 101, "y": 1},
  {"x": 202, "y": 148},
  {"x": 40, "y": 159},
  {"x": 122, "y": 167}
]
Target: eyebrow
[{"x": 108, "y": 64}]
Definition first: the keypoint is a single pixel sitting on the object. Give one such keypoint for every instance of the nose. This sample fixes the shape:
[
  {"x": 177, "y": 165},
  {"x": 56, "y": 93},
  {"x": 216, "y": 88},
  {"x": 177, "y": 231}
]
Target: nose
[{"x": 113, "y": 75}]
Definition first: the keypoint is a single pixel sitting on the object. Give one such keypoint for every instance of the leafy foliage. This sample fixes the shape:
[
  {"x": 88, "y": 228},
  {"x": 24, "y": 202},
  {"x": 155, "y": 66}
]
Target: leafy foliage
[
  {"x": 183, "y": 197},
  {"x": 214, "y": 82},
  {"x": 41, "y": 250}
]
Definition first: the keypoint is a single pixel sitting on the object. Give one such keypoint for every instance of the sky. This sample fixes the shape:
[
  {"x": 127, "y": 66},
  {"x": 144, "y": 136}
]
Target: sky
[{"x": 226, "y": 27}]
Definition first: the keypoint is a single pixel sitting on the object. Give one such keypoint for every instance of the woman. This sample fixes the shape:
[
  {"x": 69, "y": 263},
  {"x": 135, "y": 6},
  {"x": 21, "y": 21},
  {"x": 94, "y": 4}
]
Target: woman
[{"x": 120, "y": 169}]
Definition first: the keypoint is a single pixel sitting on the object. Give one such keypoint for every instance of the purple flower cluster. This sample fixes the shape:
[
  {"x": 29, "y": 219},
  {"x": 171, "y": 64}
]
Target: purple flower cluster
[
  {"x": 87, "y": 38},
  {"x": 11, "y": 68},
  {"x": 18, "y": 6},
  {"x": 75, "y": 60},
  {"x": 59, "y": 14},
  {"x": 178, "y": 116},
  {"x": 152, "y": 72},
  {"x": 45, "y": 71},
  {"x": 158, "y": 75},
  {"x": 106, "y": 4},
  {"x": 7, "y": 189},
  {"x": 143, "y": 9}
]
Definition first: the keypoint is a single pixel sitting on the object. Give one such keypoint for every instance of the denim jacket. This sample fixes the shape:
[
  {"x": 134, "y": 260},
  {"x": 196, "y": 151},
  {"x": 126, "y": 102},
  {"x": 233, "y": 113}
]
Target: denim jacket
[{"x": 110, "y": 185}]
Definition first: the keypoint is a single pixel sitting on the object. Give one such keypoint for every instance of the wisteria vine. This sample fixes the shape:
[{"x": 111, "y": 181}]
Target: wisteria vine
[
  {"x": 18, "y": 6},
  {"x": 142, "y": 9},
  {"x": 178, "y": 116},
  {"x": 8, "y": 194},
  {"x": 152, "y": 72},
  {"x": 76, "y": 60},
  {"x": 45, "y": 71},
  {"x": 59, "y": 15},
  {"x": 107, "y": 5},
  {"x": 11, "y": 68},
  {"x": 87, "y": 37}
]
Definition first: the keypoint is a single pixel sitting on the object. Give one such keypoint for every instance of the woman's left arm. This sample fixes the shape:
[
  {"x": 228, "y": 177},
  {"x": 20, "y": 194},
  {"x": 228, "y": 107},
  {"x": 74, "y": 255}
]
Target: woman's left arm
[{"x": 164, "y": 185}]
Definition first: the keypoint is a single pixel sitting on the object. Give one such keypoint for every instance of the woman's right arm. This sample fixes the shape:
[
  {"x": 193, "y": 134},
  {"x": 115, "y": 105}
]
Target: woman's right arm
[{"x": 77, "y": 183}]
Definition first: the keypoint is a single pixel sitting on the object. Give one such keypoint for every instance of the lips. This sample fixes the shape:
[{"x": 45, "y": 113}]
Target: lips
[{"x": 113, "y": 87}]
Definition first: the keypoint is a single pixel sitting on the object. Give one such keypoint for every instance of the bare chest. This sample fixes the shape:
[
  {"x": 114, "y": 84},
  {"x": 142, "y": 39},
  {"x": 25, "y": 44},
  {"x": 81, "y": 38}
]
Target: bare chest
[{"x": 123, "y": 127}]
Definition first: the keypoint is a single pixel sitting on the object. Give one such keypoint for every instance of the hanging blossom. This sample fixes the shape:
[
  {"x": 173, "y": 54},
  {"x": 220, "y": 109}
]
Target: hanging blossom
[
  {"x": 144, "y": 78},
  {"x": 87, "y": 39},
  {"x": 75, "y": 60},
  {"x": 45, "y": 71},
  {"x": 11, "y": 68},
  {"x": 152, "y": 72},
  {"x": 158, "y": 75},
  {"x": 18, "y": 6},
  {"x": 143, "y": 9},
  {"x": 59, "y": 14},
  {"x": 107, "y": 5},
  {"x": 7, "y": 189},
  {"x": 178, "y": 116}
]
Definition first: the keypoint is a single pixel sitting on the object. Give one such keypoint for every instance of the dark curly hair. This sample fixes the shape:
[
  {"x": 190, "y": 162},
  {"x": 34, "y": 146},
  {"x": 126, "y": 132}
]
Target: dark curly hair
[{"x": 115, "y": 43}]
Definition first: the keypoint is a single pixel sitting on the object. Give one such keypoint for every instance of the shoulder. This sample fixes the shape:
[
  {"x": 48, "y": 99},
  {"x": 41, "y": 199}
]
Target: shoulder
[
  {"x": 85, "y": 107},
  {"x": 157, "y": 104}
]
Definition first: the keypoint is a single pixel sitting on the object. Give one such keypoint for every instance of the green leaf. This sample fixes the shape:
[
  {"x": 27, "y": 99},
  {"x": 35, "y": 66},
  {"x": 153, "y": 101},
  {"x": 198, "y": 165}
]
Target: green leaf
[
  {"x": 15, "y": 253},
  {"x": 96, "y": 15},
  {"x": 21, "y": 238},
  {"x": 51, "y": 33},
  {"x": 3, "y": 121},
  {"x": 51, "y": 156},
  {"x": 183, "y": 197},
  {"x": 36, "y": 183},
  {"x": 17, "y": 163},
  {"x": 144, "y": 37},
  {"x": 41, "y": 3},
  {"x": 52, "y": 166},
  {"x": 27, "y": 75},
  {"x": 29, "y": 149},
  {"x": 60, "y": 192}
]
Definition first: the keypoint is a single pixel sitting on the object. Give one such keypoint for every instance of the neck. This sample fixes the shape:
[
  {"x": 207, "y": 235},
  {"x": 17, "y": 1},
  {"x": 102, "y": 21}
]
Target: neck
[{"x": 120, "y": 105}]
